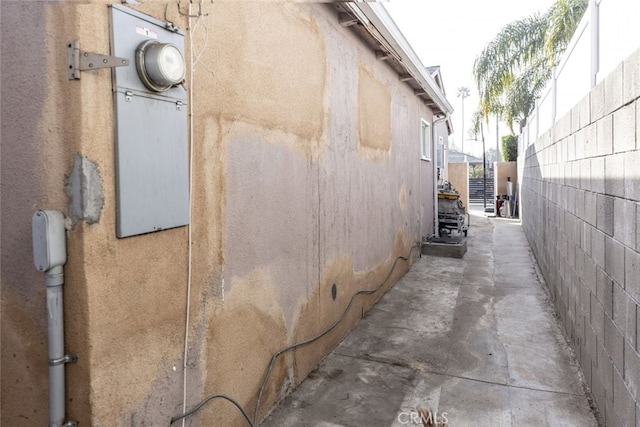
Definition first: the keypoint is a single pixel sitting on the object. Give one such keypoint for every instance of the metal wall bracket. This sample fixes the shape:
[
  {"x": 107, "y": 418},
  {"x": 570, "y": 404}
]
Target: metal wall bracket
[
  {"x": 70, "y": 424},
  {"x": 347, "y": 20},
  {"x": 67, "y": 358},
  {"x": 80, "y": 60}
]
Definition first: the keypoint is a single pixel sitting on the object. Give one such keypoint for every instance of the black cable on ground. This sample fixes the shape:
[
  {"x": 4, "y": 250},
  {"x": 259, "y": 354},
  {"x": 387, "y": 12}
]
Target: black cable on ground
[
  {"x": 292, "y": 347},
  {"x": 321, "y": 334},
  {"x": 205, "y": 401}
]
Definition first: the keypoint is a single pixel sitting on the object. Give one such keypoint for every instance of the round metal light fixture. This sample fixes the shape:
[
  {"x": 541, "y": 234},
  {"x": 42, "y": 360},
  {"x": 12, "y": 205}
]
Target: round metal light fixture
[{"x": 160, "y": 65}]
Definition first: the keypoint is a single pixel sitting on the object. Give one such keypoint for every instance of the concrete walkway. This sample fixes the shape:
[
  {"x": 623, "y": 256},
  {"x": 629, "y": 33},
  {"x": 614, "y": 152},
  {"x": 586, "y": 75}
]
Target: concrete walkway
[{"x": 474, "y": 341}]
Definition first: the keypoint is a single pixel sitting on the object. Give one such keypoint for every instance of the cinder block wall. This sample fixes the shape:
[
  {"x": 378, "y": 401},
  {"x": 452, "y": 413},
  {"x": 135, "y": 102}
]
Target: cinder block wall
[{"x": 580, "y": 199}]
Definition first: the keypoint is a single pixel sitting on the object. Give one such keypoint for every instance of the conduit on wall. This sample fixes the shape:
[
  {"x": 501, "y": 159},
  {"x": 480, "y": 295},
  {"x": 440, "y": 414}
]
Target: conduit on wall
[
  {"x": 190, "y": 234},
  {"x": 49, "y": 256}
]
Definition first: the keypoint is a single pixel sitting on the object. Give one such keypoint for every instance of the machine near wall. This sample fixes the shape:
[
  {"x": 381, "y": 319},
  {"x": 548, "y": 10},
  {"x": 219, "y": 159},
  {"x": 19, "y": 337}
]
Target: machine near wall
[{"x": 452, "y": 214}]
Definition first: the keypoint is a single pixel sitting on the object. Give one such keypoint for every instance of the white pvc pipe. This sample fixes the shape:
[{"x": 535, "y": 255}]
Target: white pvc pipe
[
  {"x": 190, "y": 232},
  {"x": 595, "y": 41}
]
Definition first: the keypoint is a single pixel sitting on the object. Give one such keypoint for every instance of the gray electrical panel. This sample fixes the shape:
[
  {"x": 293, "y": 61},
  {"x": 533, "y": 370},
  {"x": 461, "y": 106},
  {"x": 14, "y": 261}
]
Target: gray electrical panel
[{"x": 152, "y": 166}]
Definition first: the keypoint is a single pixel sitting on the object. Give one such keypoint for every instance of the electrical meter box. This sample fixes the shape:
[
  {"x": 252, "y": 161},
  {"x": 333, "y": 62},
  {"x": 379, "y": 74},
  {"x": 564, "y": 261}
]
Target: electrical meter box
[{"x": 152, "y": 166}]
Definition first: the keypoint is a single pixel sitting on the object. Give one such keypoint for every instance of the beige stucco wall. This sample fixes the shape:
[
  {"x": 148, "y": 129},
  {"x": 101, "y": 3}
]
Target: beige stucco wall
[
  {"x": 459, "y": 179},
  {"x": 504, "y": 170},
  {"x": 293, "y": 192}
]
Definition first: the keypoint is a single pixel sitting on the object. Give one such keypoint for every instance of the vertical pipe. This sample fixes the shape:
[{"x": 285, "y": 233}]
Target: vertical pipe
[
  {"x": 554, "y": 95},
  {"x": 537, "y": 119},
  {"x": 50, "y": 255},
  {"x": 498, "y": 154},
  {"x": 484, "y": 175},
  {"x": 595, "y": 41},
  {"x": 420, "y": 199},
  {"x": 192, "y": 69},
  {"x": 436, "y": 224},
  {"x": 55, "y": 324}
]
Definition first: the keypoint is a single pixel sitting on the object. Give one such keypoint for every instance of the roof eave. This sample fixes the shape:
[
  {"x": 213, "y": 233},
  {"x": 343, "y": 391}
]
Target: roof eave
[{"x": 377, "y": 21}]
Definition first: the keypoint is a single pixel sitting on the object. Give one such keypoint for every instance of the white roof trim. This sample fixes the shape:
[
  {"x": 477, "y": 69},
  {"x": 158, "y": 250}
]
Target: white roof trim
[{"x": 375, "y": 18}]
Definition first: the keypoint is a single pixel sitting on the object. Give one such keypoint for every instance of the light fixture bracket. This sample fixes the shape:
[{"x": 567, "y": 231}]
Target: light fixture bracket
[{"x": 80, "y": 60}]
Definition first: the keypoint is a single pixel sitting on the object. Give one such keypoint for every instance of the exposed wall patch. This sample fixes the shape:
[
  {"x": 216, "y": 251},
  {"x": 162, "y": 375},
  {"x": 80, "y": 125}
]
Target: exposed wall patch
[
  {"x": 83, "y": 186},
  {"x": 374, "y": 115}
]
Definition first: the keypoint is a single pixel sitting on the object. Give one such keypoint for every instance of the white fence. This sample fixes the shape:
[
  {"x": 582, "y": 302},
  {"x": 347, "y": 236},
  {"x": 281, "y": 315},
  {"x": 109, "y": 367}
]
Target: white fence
[{"x": 607, "y": 34}]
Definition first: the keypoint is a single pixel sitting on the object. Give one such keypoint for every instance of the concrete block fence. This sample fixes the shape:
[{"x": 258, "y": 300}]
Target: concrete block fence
[{"x": 580, "y": 195}]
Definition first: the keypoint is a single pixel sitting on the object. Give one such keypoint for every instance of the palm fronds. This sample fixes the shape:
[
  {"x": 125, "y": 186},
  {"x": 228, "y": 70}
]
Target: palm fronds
[{"x": 514, "y": 67}]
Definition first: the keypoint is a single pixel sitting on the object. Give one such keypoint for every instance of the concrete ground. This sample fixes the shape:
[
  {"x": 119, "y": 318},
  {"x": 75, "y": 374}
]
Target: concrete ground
[{"x": 472, "y": 340}]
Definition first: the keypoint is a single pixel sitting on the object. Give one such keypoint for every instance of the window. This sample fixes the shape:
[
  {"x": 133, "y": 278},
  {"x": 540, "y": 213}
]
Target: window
[{"x": 425, "y": 140}]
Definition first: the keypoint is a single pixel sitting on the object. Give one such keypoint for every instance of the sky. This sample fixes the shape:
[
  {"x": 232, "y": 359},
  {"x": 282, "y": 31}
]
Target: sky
[{"x": 451, "y": 34}]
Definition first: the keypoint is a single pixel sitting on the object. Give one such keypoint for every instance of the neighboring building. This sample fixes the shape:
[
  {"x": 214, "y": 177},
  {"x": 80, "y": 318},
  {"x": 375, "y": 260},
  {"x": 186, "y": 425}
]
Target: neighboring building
[
  {"x": 311, "y": 173},
  {"x": 458, "y": 157},
  {"x": 461, "y": 166}
]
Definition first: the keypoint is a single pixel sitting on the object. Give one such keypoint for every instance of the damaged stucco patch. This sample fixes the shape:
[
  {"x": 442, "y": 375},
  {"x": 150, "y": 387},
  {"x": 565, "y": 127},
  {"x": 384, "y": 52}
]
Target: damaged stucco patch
[
  {"x": 84, "y": 189},
  {"x": 374, "y": 116}
]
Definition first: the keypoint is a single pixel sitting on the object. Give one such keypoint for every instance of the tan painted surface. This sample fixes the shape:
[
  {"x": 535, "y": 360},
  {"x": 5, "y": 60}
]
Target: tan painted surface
[
  {"x": 374, "y": 115},
  {"x": 240, "y": 343},
  {"x": 292, "y": 116},
  {"x": 459, "y": 179},
  {"x": 325, "y": 310},
  {"x": 120, "y": 299},
  {"x": 263, "y": 65},
  {"x": 38, "y": 139},
  {"x": 502, "y": 171}
]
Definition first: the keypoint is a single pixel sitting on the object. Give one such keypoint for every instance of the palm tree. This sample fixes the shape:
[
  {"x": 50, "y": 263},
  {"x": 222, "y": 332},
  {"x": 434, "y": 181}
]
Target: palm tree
[
  {"x": 463, "y": 92},
  {"x": 515, "y": 67},
  {"x": 476, "y": 125},
  {"x": 563, "y": 18}
]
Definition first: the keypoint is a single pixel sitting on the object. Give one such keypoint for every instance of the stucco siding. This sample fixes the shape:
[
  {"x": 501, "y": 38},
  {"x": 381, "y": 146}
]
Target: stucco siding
[{"x": 306, "y": 174}]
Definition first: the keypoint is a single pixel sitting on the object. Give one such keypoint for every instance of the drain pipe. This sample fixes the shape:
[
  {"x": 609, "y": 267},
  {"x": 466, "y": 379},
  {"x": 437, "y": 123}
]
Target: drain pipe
[
  {"x": 49, "y": 256},
  {"x": 434, "y": 149}
]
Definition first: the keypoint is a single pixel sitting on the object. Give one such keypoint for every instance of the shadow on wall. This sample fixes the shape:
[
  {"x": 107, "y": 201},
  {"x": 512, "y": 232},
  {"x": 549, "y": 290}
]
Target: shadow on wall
[
  {"x": 583, "y": 234},
  {"x": 24, "y": 187}
]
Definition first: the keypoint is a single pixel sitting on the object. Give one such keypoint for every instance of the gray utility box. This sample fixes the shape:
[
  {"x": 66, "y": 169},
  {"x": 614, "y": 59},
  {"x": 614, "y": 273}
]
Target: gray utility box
[{"x": 152, "y": 166}]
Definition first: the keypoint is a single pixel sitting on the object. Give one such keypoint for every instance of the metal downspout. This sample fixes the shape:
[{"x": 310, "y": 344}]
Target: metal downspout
[{"x": 434, "y": 150}]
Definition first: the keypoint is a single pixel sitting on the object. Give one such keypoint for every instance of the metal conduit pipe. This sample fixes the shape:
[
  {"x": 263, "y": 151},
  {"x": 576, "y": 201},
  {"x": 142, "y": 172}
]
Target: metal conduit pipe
[{"x": 49, "y": 255}]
